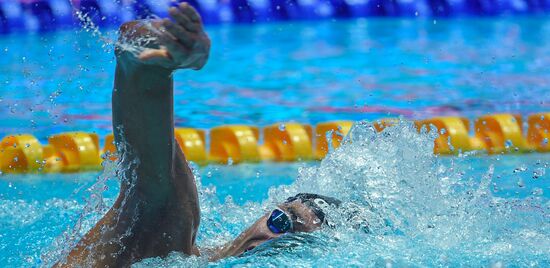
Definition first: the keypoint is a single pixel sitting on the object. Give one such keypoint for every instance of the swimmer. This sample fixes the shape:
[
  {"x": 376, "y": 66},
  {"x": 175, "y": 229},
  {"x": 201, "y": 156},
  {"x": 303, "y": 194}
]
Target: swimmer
[{"x": 157, "y": 212}]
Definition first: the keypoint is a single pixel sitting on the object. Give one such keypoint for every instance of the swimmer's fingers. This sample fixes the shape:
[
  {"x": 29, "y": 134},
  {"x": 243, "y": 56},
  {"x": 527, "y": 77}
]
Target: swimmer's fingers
[
  {"x": 181, "y": 34},
  {"x": 184, "y": 20},
  {"x": 191, "y": 13}
]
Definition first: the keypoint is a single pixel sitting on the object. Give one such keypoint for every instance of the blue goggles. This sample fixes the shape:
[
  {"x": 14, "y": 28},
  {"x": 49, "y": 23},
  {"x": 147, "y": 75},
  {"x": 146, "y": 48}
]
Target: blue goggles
[{"x": 279, "y": 222}]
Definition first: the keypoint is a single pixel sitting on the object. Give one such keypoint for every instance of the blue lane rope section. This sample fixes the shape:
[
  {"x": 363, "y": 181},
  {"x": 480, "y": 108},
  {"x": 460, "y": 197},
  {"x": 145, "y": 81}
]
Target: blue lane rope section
[{"x": 47, "y": 15}]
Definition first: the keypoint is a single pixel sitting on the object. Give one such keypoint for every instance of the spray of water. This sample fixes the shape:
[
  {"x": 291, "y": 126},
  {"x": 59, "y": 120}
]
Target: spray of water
[
  {"x": 97, "y": 205},
  {"x": 402, "y": 206},
  {"x": 133, "y": 45}
]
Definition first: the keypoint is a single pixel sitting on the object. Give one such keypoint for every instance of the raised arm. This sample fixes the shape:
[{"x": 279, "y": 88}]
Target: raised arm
[{"x": 157, "y": 209}]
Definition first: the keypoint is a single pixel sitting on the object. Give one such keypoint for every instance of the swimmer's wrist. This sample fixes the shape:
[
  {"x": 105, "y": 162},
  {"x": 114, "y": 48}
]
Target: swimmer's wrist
[{"x": 131, "y": 64}]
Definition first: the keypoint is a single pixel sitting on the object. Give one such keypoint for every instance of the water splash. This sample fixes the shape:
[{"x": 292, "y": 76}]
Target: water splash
[
  {"x": 402, "y": 206},
  {"x": 429, "y": 205},
  {"x": 96, "y": 205},
  {"x": 133, "y": 45}
]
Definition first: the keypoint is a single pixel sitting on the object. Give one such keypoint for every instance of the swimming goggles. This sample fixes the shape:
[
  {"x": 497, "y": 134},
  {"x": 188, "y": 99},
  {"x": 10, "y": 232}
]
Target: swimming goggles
[{"x": 279, "y": 222}]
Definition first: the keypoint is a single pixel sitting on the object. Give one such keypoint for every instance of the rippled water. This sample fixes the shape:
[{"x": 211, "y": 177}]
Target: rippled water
[{"x": 307, "y": 71}]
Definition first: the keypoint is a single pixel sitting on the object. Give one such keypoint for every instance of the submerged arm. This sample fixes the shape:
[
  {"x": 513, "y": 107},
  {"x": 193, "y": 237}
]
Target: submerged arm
[{"x": 157, "y": 209}]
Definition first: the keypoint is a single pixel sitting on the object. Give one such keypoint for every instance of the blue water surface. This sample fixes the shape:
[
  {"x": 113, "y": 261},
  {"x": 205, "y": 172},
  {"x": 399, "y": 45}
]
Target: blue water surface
[{"x": 302, "y": 71}]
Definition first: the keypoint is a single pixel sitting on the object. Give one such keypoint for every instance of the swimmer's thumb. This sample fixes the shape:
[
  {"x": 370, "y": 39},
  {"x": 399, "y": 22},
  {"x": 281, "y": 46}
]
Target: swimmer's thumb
[{"x": 154, "y": 54}]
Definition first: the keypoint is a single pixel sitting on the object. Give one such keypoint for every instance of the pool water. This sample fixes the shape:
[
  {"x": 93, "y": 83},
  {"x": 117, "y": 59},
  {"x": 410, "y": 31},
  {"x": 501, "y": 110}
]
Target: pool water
[
  {"x": 421, "y": 210},
  {"x": 303, "y": 71}
]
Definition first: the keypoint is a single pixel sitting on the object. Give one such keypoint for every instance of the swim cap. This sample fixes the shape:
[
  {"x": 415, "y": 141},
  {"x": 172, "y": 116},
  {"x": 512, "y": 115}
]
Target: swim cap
[{"x": 316, "y": 202}]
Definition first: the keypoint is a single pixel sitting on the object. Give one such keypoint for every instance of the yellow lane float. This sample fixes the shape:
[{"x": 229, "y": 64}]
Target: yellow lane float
[
  {"x": 383, "y": 123},
  {"x": 338, "y": 130},
  {"x": 234, "y": 144},
  {"x": 21, "y": 153},
  {"x": 79, "y": 151},
  {"x": 109, "y": 145},
  {"x": 538, "y": 134},
  {"x": 193, "y": 144},
  {"x": 501, "y": 133},
  {"x": 453, "y": 134},
  {"x": 289, "y": 141}
]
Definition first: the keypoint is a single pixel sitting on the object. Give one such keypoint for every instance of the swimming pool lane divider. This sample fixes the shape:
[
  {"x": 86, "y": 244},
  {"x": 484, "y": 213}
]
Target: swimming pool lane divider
[
  {"x": 285, "y": 142},
  {"x": 48, "y": 15}
]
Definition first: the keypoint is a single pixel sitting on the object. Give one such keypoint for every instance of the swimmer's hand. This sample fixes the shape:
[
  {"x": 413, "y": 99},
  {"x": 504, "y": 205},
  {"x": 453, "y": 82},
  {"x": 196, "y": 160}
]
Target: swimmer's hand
[{"x": 181, "y": 43}]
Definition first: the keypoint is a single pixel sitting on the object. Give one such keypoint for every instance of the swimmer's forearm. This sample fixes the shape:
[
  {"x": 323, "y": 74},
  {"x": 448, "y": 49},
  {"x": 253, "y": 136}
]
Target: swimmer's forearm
[
  {"x": 137, "y": 76},
  {"x": 143, "y": 120}
]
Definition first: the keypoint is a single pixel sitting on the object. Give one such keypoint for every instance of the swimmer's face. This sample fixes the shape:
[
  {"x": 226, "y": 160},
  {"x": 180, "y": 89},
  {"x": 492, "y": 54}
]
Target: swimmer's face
[{"x": 303, "y": 220}]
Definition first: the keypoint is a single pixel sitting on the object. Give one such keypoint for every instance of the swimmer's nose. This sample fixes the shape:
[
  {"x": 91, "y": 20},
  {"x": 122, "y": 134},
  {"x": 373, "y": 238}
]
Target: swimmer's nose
[
  {"x": 263, "y": 234},
  {"x": 259, "y": 235}
]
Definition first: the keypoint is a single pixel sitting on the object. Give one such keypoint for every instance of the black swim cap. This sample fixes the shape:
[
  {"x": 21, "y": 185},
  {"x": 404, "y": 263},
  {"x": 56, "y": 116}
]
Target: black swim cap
[{"x": 316, "y": 202}]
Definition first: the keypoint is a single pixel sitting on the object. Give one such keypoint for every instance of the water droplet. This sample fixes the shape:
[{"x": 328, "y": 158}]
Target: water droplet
[
  {"x": 538, "y": 172},
  {"x": 508, "y": 143},
  {"x": 29, "y": 259},
  {"x": 229, "y": 161},
  {"x": 520, "y": 183},
  {"x": 209, "y": 174},
  {"x": 282, "y": 127},
  {"x": 521, "y": 168},
  {"x": 537, "y": 191}
]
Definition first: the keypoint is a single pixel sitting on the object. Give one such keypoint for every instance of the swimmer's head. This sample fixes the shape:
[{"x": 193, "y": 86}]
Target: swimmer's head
[{"x": 303, "y": 212}]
